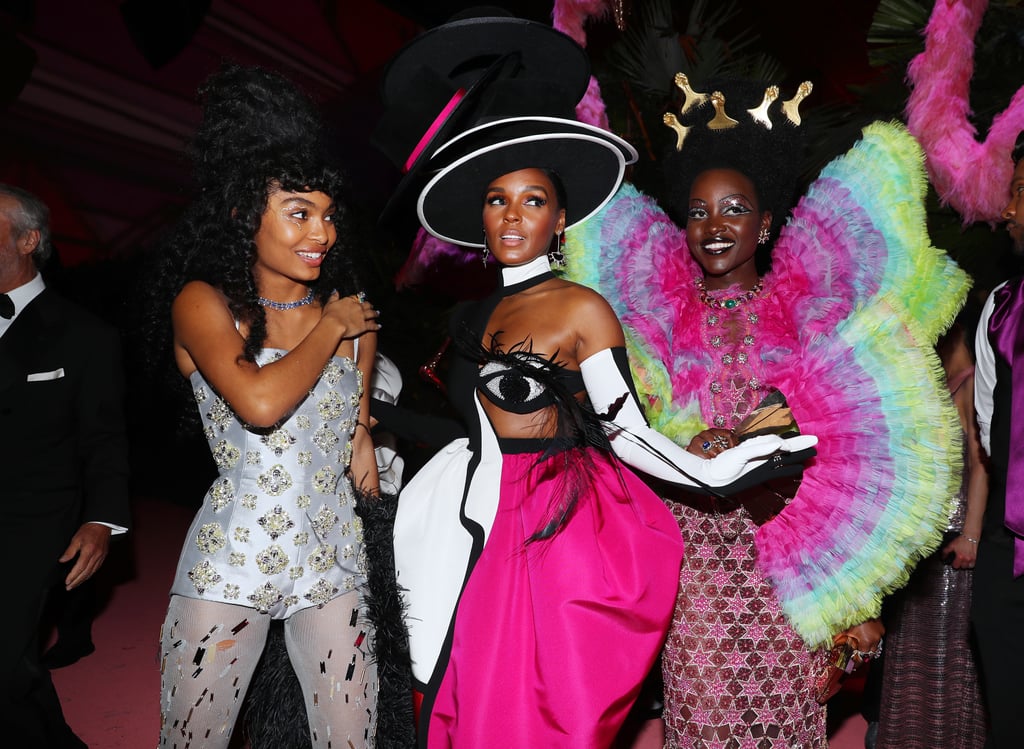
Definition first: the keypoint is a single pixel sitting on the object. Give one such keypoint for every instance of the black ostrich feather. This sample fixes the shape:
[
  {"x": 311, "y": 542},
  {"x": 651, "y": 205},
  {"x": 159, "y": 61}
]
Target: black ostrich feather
[{"x": 577, "y": 426}]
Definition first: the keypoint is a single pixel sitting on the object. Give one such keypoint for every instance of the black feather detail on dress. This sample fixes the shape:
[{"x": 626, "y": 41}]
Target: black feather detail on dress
[
  {"x": 386, "y": 611},
  {"x": 577, "y": 425},
  {"x": 275, "y": 713}
]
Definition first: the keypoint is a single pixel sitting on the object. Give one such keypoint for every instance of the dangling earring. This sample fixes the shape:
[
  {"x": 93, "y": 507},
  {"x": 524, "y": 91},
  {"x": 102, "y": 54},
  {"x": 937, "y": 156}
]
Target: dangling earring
[
  {"x": 556, "y": 255},
  {"x": 487, "y": 250},
  {"x": 762, "y": 237}
]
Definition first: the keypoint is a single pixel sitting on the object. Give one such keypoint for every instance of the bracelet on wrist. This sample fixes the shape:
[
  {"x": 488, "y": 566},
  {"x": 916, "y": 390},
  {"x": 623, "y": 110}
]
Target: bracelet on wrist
[{"x": 968, "y": 538}]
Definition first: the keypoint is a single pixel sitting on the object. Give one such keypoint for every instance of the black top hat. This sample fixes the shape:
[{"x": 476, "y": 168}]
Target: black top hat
[
  {"x": 589, "y": 161},
  {"x": 468, "y": 71}
]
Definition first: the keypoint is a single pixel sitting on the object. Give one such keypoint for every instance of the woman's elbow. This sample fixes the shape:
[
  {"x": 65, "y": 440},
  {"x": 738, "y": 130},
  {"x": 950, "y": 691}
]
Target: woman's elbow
[{"x": 262, "y": 413}]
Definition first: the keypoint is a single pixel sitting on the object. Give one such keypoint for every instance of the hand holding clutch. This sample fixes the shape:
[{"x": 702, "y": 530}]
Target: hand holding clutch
[{"x": 846, "y": 657}]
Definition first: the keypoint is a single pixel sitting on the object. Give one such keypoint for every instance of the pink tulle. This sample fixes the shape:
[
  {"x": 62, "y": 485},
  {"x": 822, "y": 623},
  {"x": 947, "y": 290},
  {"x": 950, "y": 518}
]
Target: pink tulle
[{"x": 968, "y": 175}]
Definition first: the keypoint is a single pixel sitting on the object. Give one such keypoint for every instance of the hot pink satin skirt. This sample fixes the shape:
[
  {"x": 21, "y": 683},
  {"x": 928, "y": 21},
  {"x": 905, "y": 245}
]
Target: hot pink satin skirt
[{"x": 553, "y": 638}]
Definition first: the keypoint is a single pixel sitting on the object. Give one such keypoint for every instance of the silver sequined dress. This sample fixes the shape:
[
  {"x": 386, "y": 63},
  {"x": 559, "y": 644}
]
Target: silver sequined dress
[{"x": 277, "y": 530}]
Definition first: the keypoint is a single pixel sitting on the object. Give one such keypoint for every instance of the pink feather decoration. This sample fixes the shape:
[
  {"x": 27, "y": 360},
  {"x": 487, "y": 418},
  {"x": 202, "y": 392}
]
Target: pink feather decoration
[
  {"x": 430, "y": 252},
  {"x": 570, "y": 17},
  {"x": 968, "y": 175}
]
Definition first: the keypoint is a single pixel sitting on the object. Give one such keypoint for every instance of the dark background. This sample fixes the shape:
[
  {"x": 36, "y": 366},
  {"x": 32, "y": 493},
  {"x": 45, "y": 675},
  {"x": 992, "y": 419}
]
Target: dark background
[{"x": 97, "y": 99}]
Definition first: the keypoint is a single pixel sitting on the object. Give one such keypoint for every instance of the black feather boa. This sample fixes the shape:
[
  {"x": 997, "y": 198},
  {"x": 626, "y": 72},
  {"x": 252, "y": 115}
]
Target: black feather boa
[
  {"x": 386, "y": 612},
  {"x": 275, "y": 713}
]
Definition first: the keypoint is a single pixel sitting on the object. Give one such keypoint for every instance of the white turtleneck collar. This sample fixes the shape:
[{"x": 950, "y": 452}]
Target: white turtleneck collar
[{"x": 514, "y": 274}]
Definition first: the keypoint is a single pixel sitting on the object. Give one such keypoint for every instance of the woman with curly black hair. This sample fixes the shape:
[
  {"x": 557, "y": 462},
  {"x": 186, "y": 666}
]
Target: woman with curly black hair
[{"x": 255, "y": 301}]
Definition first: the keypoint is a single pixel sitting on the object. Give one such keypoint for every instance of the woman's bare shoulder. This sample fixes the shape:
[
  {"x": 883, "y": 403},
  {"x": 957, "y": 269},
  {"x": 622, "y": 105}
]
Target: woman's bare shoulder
[{"x": 586, "y": 301}]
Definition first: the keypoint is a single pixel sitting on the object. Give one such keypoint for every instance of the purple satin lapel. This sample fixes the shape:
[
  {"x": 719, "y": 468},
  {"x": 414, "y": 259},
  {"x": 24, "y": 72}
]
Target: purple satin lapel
[{"x": 1006, "y": 333}]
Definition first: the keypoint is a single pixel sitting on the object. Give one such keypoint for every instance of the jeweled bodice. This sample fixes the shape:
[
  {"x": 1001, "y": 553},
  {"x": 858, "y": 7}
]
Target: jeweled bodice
[
  {"x": 277, "y": 530},
  {"x": 729, "y": 333}
]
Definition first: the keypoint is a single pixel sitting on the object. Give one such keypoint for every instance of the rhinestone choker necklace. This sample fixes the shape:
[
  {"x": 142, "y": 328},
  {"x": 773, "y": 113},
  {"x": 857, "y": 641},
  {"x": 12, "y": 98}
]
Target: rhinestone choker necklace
[
  {"x": 283, "y": 306},
  {"x": 729, "y": 303}
]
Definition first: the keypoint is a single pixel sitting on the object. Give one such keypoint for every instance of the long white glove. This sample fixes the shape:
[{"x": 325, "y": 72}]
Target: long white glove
[{"x": 606, "y": 376}]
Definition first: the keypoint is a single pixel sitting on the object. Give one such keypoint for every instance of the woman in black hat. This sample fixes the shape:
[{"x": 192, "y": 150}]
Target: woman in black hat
[{"x": 540, "y": 572}]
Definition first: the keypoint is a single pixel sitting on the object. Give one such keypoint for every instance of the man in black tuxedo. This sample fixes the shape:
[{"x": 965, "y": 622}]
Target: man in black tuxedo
[{"x": 63, "y": 462}]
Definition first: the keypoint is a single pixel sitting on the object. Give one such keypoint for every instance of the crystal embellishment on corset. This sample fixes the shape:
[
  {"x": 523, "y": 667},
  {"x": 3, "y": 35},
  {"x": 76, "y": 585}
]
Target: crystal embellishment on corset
[
  {"x": 331, "y": 406},
  {"x": 278, "y": 441},
  {"x": 325, "y": 480},
  {"x": 322, "y": 558},
  {"x": 220, "y": 414},
  {"x": 324, "y": 520},
  {"x": 211, "y": 538},
  {"x": 221, "y": 494},
  {"x": 272, "y": 560},
  {"x": 325, "y": 439},
  {"x": 276, "y": 481},
  {"x": 204, "y": 576},
  {"x": 226, "y": 455},
  {"x": 264, "y": 597},
  {"x": 332, "y": 373},
  {"x": 321, "y": 592},
  {"x": 276, "y": 522}
]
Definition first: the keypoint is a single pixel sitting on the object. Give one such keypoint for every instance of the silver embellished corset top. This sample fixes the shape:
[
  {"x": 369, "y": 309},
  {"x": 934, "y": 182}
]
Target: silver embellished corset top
[{"x": 277, "y": 530}]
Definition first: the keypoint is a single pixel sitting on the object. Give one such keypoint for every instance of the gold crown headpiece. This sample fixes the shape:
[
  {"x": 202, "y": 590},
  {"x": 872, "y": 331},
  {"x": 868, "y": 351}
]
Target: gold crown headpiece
[{"x": 721, "y": 120}]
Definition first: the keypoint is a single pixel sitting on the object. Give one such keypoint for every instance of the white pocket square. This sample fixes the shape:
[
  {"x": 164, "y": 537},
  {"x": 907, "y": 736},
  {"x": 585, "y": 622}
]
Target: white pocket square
[{"x": 44, "y": 376}]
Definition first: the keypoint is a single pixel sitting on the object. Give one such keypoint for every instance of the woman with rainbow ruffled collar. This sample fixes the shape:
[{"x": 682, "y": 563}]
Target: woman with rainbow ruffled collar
[{"x": 840, "y": 330}]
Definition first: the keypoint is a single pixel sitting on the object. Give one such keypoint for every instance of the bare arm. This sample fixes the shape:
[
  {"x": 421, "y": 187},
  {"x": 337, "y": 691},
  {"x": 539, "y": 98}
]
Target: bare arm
[
  {"x": 965, "y": 546},
  {"x": 602, "y": 329},
  {"x": 206, "y": 339},
  {"x": 364, "y": 461}
]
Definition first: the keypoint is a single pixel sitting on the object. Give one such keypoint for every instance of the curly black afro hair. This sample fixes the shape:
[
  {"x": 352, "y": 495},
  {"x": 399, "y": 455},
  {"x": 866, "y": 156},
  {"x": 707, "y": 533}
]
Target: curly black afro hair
[
  {"x": 772, "y": 159},
  {"x": 259, "y": 134}
]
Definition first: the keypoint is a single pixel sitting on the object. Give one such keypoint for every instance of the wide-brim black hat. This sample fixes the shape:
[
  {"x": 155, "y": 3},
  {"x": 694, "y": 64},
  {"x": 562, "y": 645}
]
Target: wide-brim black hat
[
  {"x": 460, "y": 50},
  {"x": 465, "y": 72},
  {"x": 590, "y": 162}
]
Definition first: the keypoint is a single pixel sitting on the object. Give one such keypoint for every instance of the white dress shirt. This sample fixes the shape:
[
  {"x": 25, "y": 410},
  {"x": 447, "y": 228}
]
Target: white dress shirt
[
  {"x": 21, "y": 296},
  {"x": 985, "y": 373}
]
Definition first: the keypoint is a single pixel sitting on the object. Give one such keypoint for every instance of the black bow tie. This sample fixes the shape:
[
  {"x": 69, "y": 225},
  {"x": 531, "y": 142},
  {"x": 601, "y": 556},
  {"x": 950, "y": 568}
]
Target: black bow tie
[{"x": 6, "y": 306}]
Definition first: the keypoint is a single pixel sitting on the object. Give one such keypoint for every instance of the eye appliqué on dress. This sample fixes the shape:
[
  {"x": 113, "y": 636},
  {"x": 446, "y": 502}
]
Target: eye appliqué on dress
[{"x": 512, "y": 389}]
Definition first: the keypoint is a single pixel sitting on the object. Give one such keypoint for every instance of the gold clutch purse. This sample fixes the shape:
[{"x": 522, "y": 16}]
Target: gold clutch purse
[{"x": 772, "y": 416}]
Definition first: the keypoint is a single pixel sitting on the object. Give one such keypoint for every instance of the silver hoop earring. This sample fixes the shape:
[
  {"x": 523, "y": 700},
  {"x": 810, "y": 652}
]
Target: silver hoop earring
[{"x": 762, "y": 237}]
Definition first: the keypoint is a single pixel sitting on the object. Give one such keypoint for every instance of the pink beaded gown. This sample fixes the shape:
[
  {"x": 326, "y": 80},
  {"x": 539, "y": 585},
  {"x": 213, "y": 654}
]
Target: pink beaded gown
[
  {"x": 843, "y": 326},
  {"x": 735, "y": 672}
]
